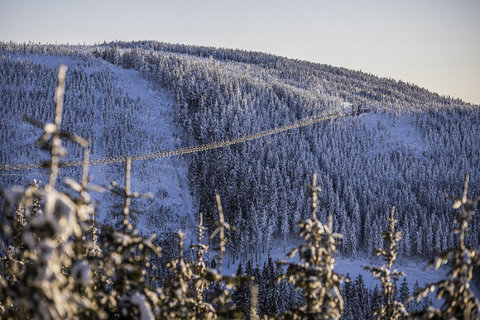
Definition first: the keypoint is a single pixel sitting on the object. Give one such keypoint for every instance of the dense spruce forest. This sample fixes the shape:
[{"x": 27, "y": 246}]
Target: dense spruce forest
[{"x": 408, "y": 151}]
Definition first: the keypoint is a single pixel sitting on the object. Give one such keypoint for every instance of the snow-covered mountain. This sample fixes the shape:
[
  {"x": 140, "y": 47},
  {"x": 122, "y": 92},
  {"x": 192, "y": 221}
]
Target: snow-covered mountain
[{"x": 141, "y": 97}]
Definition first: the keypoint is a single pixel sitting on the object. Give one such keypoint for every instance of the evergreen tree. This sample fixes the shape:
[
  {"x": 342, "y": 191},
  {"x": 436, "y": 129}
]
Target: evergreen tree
[
  {"x": 360, "y": 303},
  {"x": 347, "y": 295},
  {"x": 391, "y": 308},
  {"x": 376, "y": 301},
  {"x": 178, "y": 300},
  {"x": 414, "y": 303},
  {"x": 240, "y": 296},
  {"x": 404, "y": 293},
  {"x": 272, "y": 293},
  {"x": 459, "y": 302},
  {"x": 202, "y": 277},
  {"x": 314, "y": 274}
]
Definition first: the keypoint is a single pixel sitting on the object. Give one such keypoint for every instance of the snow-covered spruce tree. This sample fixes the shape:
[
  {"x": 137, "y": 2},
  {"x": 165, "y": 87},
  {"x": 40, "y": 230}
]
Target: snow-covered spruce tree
[
  {"x": 195, "y": 291},
  {"x": 390, "y": 308},
  {"x": 459, "y": 302},
  {"x": 45, "y": 271},
  {"x": 403, "y": 294},
  {"x": 315, "y": 274},
  {"x": 120, "y": 273},
  {"x": 202, "y": 277},
  {"x": 184, "y": 291},
  {"x": 178, "y": 298},
  {"x": 222, "y": 285},
  {"x": 241, "y": 295}
]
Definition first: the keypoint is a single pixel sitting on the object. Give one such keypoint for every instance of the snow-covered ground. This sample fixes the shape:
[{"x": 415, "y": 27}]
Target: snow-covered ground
[
  {"x": 414, "y": 269},
  {"x": 392, "y": 133}
]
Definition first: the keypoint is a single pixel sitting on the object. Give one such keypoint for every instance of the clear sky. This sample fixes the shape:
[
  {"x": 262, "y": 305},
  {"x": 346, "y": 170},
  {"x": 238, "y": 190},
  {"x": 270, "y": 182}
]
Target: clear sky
[{"x": 432, "y": 43}]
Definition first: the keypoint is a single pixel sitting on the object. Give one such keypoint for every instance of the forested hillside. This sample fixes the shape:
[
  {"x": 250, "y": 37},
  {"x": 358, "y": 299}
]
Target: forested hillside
[{"x": 408, "y": 151}]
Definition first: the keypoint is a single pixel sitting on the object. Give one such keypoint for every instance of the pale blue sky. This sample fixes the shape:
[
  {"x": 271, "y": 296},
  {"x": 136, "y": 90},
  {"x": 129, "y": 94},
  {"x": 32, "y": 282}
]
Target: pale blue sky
[{"x": 432, "y": 43}]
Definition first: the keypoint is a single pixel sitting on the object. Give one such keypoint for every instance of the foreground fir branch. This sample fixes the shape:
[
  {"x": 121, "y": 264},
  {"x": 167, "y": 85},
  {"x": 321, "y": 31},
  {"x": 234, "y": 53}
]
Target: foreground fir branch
[
  {"x": 459, "y": 302},
  {"x": 179, "y": 302},
  {"x": 195, "y": 291},
  {"x": 221, "y": 225},
  {"x": 121, "y": 272},
  {"x": 315, "y": 274},
  {"x": 390, "y": 308},
  {"x": 202, "y": 277}
]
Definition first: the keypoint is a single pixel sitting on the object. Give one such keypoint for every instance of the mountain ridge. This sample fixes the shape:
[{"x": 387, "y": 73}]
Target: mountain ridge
[{"x": 197, "y": 51}]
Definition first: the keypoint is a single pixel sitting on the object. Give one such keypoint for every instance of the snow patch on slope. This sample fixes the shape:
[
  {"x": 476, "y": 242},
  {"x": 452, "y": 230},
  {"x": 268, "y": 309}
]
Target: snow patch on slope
[
  {"x": 50, "y": 62},
  {"x": 394, "y": 132}
]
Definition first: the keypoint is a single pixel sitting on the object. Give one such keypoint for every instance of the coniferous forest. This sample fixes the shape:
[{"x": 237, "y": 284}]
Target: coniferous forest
[{"x": 68, "y": 252}]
